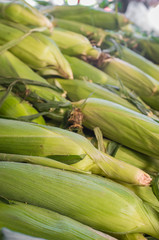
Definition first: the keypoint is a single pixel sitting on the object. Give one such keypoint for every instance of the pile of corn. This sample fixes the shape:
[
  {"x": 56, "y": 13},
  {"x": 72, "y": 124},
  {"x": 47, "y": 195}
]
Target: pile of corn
[{"x": 79, "y": 128}]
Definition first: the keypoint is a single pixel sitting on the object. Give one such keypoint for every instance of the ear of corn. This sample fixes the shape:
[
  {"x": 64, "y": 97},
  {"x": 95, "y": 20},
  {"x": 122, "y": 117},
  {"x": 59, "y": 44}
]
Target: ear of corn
[
  {"x": 142, "y": 84},
  {"x": 67, "y": 147},
  {"x": 77, "y": 90},
  {"x": 37, "y": 52},
  {"x": 62, "y": 65},
  {"x": 105, "y": 199},
  {"x": 40, "y": 222},
  {"x": 85, "y": 71},
  {"x": 122, "y": 125},
  {"x": 15, "y": 107},
  {"x": 94, "y": 34},
  {"x": 130, "y": 156},
  {"x": 140, "y": 62},
  {"x": 74, "y": 44},
  {"x": 92, "y": 16},
  {"x": 23, "y": 14}
]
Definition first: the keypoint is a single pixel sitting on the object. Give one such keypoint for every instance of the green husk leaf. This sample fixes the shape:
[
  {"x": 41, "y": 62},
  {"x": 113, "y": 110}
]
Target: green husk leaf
[
  {"x": 49, "y": 162},
  {"x": 8, "y": 80},
  {"x": 99, "y": 137},
  {"x": 155, "y": 186},
  {"x": 122, "y": 125},
  {"x": 108, "y": 200},
  {"x": 94, "y": 16},
  {"x": 112, "y": 148},
  {"x": 49, "y": 141}
]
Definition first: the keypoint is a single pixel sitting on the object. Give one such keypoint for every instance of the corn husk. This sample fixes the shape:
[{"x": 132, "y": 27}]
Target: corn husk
[
  {"x": 44, "y": 161},
  {"x": 122, "y": 125},
  {"x": 14, "y": 107},
  {"x": 94, "y": 34},
  {"x": 140, "y": 62},
  {"x": 77, "y": 90},
  {"x": 66, "y": 147},
  {"x": 24, "y": 14},
  {"x": 63, "y": 66},
  {"x": 74, "y": 44},
  {"x": 128, "y": 155},
  {"x": 142, "y": 84},
  {"x": 155, "y": 186},
  {"x": 38, "y": 51},
  {"x": 146, "y": 194},
  {"x": 104, "y": 202},
  {"x": 92, "y": 16},
  {"x": 40, "y": 222},
  {"x": 98, "y": 37},
  {"x": 85, "y": 71}
]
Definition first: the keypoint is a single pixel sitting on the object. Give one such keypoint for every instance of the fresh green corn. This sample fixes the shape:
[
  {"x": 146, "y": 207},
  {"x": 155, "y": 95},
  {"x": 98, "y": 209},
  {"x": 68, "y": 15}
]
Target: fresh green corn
[
  {"x": 40, "y": 222},
  {"x": 122, "y": 125},
  {"x": 130, "y": 156},
  {"x": 77, "y": 90},
  {"x": 63, "y": 67},
  {"x": 142, "y": 84},
  {"x": 6, "y": 234},
  {"x": 85, "y": 71},
  {"x": 94, "y": 34},
  {"x": 140, "y": 62},
  {"x": 97, "y": 202},
  {"x": 67, "y": 147},
  {"x": 92, "y": 16},
  {"x": 123, "y": 154},
  {"x": 38, "y": 52},
  {"x": 99, "y": 37},
  {"x": 21, "y": 13},
  {"x": 74, "y": 44},
  {"x": 15, "y": 107}
]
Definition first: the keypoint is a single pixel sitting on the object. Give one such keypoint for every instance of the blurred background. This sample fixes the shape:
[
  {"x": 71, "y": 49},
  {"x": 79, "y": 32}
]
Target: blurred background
[{"x": 144, "y": 13}]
